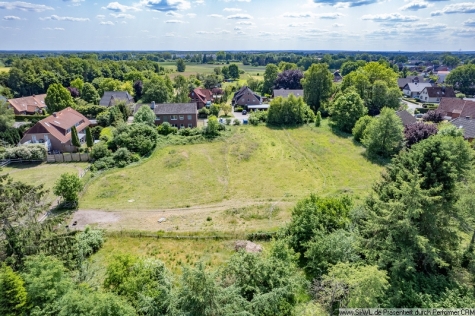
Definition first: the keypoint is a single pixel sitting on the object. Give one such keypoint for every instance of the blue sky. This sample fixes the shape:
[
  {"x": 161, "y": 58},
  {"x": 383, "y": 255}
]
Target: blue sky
[{"x": 412, "y": 25}]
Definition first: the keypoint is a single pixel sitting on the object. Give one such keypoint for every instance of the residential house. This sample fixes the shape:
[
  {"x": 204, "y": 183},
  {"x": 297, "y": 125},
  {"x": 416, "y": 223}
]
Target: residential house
[
  {"x": 452, "y": 108},
  {"x": 442, "y": 75},
  {"x": 337, "y": 76},
  {"x": 245, "y": 97},
  {"x": 181, "y": 115},
  {"x": 55, "y": 130},
  {"x": 110, "y": 98},
  {"x": 28, "y": 105},
  {"x": 468, "y": 126},
  {"x": 285, "y": 93},
  {"x": 413, "y": 90},
  {"x": 202, "y": 97},
  {"x": 410, "y": 79},
  {"x": 406, "y": 118},
  {"x": 434, "y": 94}
]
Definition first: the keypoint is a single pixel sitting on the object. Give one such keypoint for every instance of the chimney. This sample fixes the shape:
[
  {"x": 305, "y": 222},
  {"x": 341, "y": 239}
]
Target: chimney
[
  {"x": 152, "y": 106},
  {"x": 55, "y": 114}
]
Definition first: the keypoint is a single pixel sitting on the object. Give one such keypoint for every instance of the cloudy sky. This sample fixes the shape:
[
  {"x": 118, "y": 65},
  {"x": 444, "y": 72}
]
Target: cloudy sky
[{"x": 412, "y": 25}]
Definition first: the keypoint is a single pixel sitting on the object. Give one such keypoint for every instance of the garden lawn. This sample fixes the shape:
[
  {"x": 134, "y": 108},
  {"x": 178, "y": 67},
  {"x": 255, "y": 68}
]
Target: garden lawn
[
  {"x": 254, "y": 165},
  {"x": 46, "y": 174}
]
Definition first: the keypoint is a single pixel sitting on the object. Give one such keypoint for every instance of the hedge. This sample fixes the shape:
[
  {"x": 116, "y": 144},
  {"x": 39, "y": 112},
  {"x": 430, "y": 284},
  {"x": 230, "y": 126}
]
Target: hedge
[
  {"x": 30, "y": 118},
  {"x": 27, "y": 152},
  {"x": 421, "y": 110}
]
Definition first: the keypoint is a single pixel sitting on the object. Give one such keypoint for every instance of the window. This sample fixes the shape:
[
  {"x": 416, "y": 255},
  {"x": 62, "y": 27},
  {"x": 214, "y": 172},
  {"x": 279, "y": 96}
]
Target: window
[
  {"x": 182, "y": 117},
  {"x": 33, "y": 138},
  {"x": 157, "y": 118},
  {"x": 173, "y": 117},
  {"x": 189, "y": 117},
  {"x": 68, "y": 131},
  {"x": 182, "y": 125},
  {"x": 165, "y": 119},
  {"x": 190, "y": 125}
]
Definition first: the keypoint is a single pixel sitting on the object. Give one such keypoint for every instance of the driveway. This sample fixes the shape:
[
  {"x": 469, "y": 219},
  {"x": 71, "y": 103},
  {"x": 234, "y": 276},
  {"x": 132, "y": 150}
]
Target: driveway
[
  {"x": 241, "y": 117},
  {"x": 411, "y": 106}
]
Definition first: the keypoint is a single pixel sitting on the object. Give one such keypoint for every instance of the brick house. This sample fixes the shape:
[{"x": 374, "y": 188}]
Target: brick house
[
  {"x": 28, "y": 105},
  {"x": 110, "y": 98},
  {"x": 201, "y": 97},
  {"x": 181, "y": 115},
  {"x": 246, "y": 96},
  {"x": 452, "y": 108},
  {"x": 284, "y": 93},
  {"x": 55, "y": 130}
]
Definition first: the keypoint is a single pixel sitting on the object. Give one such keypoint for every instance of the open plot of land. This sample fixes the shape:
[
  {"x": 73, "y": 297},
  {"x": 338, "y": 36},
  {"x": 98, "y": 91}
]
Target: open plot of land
[
  {"x": 255, "y": 166},
  {"x": 46, "y": 174},
  {"x": 6, "y": 69},
  {"x": 174, "y": 253},
  {"x": 194, "y": 68}
]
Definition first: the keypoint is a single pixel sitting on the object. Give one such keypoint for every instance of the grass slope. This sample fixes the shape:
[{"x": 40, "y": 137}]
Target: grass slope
[
  {"x": 254, "y": 165},
  {"x": 46, "y": 174}
]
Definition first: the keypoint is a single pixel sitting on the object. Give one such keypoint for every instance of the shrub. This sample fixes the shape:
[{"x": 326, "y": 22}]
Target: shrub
[
  {"x": 203, "y": 113},
  {"x": 433, "y": 116},
  {"x": 89, "y": 241},
  {"x": 100, "y": 150},
  {"x": 166, "y": 129},
  {"x": 27, "y": 152},
  {"x": 91, "y": 110},
  {"x": 237, "y": 122},
  {"x": 238, "y": 109},
  {"x": 360, "y": 127},
  {"x": 290, "y": 111},
  {"x": 138, "y": 138},
  {"x": 214, "y": 109},
  {"x": 189, "y": 132},
  {"x": 228, "y": 121},
  {"x": 253, "y": 120},
  {"x": 416, "y": 132},
  {"x": 121, "y": 158},
  {"x": 68, "y": 187}
]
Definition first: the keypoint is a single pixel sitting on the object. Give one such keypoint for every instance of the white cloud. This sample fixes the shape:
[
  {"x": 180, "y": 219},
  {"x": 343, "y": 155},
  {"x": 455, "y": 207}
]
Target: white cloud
[
  {"x": 219, "y": 16},
  {"x": 166, "y": 5},
  {"x": 117, "y": 7},
  {"x": 245, "y": 23},
  {"x": 232, "y": 10},
  {"x": 464, "y": 7},
  {"x": 174, "y": 21},
  {"x": 74, "y": 2},
  {"x": 436, "y": 13},
  {"x": 304, "y": 15},
  {"x": 469, "y": 23},
  {"x": 393, "y": 17},
  {"x": 298, "y": 15},
  {"x": 11, "y": 18},
  {"x": 100, "y": 16},
  {"x": 53, "y": 29},
  {"x": 107, "y": 23},
  {"x": 64, "y": 18},
  {"x": 346, "y": 3},
  {"x": 415, "y": 5},
  {"x": 302, "y": 24},
  {"x": 239, "y": 17},
  {"x": 24, "y": 6},
  {"x": 123, "y": 16},
  {"x": 236, "y": 0},
  {"x": 191, "y": 15},
  {"x": 174, "y": 14},
  {"x": 338, "y": 25},
  {"x": 329, "y": 15}
]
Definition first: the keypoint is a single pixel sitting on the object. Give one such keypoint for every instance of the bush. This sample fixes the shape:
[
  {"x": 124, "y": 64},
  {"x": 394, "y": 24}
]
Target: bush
[
  {"x": 121, "y": 158},
  {"x": 166, "y": 129},
  {"x": 416, "y": 132},
  {"x": 228, "y": 121},
  {"x": 360, "y": 127},
  {"x": 433, "y": 116},
  {"x": 214, "y": 109},
  {"x": 290, "y": 111},
  {"x": 138, "y": 138},
  {"x": 203, "y": 113},
  {"x": 27, "y": 152},
  {"x": 253, "y": 120},
  {"x": 89, "y": 241},
  {"x": 237, "y": 122},
  {"x": 100, "y": 150},
  {"x": 30, "y": 118},
  {"x": 238, "y": 109},
  {"x": 91, "y": 110}
]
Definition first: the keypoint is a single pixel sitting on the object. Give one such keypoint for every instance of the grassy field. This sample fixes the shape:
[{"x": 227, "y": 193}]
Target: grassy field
[
  {"x": 45, "y": 174},
  {"x": 255, "y": 165},
  {"x": 193, "y": 69},
  {"x": 7, "y": 69},
  {"x": 174, "y": 253}
]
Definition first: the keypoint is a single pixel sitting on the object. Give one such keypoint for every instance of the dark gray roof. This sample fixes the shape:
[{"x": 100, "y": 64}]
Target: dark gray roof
[
  {"x": 110, "y": 97},
  {"x": 467, "y": 124},
  {"x": 243, "y": 91},
  {"x": 285, "y": 93},
  {"x": 406, "y": 117},
  {"x": 417, "y": 87},
  {"x": 170, "y": 108},
  {"x": 410, "y": 79}
]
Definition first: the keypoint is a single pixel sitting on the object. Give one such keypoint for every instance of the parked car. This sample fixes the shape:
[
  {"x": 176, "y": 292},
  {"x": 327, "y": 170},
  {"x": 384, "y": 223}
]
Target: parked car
[{"x": 244, "y": 112}]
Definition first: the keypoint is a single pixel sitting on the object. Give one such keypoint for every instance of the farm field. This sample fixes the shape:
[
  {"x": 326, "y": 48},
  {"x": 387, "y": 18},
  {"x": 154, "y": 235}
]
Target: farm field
[
  {"x": 46, "y": 174},
  {"x": 255, "y": 171},
  {"x": 194, "y": 68}
]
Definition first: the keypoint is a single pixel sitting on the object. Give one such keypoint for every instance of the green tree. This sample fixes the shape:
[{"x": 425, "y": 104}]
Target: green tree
[
  {"x": 450, "y": 61},
  {"x": 463, "y": 78},
  {"x": 270, "y": 75},
  {"x": 318, "y": 119},
  {"x": 138, "y": 138},
  {"x": 12, "y": 292},
  {"x": 234, "y": 71},
  {"x": 289, "y": 111},
  {"x": 89, "y": 138},
  {"x": 182, "y": 91},
  {"x": 109, "y": 84},
  {"x": 226, "y": 108},
  {"x": 156, "y": 90},
  {"x": 379, "y": 94},
  {"x": 7, "y": 116},
  {"x": 359, "y": 131},
  {"x": 58, "y": 98},
  {"x": 317, "y": 84},
  {"x": 89, "y": 94},
  {"x": 214, "y": 109},
  {"x": 347, "y": 110},
  {"x": 180, "y": 65},
  {"x": 74, "y": 137},
  {"x": 145, "y": 115},
  {"x": 77, "y": 83},
  {"x": 384, "y": 136},
  {"x": 212, "y": 128},
  {"x": 68, "y": 187}
]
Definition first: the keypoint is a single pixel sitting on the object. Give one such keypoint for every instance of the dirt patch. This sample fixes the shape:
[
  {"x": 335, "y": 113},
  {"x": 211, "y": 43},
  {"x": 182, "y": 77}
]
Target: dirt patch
[{"x": 94, "y": 218}]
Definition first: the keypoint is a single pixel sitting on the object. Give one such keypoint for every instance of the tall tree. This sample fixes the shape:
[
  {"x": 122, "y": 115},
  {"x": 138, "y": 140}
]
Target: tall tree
[
  {"x": 347, "y": 110},
  {"x": 89, "y": 94},
  {"x": 234, "y": 71},
  {"x": 289, "y": 79},
  {"x": 145, "y": 115},
  {"x": 317, "y": 84},
  {"x": 89, "y": 138},
  {"x": 181, "y": 89},
  {"x": 74, "y": 137},
  {"x": 58, "y": 98},
  {"x": 138, "y": 88},
  {"x": 68, "y": 187},
  {"x": 384, "y": 136},
  {"x": 12, "y": 292},
  {"x": 180, "y": 65},
  {"x": 270, "y": 75},
  {"x": 156, "y": 90}
]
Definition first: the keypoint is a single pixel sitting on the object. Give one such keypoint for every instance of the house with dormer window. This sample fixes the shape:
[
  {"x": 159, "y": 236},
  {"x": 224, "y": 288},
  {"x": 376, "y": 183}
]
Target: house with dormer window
[
  {"x": 55, "y": 130},
  {"x": 31, "y": 105}
]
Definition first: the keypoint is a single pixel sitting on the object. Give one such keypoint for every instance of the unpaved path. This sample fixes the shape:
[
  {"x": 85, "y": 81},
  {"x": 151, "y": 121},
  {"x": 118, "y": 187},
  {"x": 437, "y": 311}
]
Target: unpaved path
[{"x": 190, "y": 219}]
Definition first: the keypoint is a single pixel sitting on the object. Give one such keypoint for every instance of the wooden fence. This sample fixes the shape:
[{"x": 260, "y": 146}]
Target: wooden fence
[
  {"x": 76, "y": 157},
  {"x": 6, "y": 162}
]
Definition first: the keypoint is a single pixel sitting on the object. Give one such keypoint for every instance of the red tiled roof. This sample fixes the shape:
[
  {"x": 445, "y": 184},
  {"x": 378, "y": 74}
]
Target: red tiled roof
[
  {"x": 28, "y": 104},
  {"x": 58, "y": 124},
  {"x": 455, "y": 107}
]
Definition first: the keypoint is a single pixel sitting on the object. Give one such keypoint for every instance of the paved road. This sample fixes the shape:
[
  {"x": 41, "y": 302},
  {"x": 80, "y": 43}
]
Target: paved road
[
  {"x": 240, "y": 117},
  {"x": 411, "y": 106}
]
